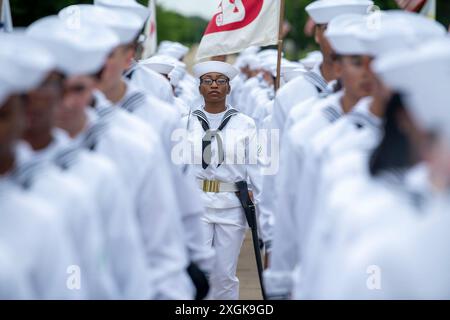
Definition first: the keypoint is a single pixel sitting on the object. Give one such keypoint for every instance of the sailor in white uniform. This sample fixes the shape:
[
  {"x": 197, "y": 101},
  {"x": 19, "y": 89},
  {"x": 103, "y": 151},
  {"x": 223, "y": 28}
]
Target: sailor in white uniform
[
  {"x": 41, "y": 177},
  {"x": 160, "y": 115},
  {"x": 314, "y": 82},
  {"x": 360, "y": 131},
  {"x": 115, "y": 145},
  {"x": 308, "y": 86},
  {"x": 230, "y": 156},
  {"x": 250, "y": 84},
  {"x": 30, "y": 228},
  {"x": 165, "y": 66},
  {"x": 412, "y": 256},
  {"x": 137, "y": 164},
  {"x": 187, "y": 85},
  {"x": 142, "y": 77},
  {"x": 388, "y": 229},
  {"x": 296, "y": 201},
  {"x": 188, "y": 196},
  {"x": 101, "y": 178},
  {"x": 13, "y": 281}
]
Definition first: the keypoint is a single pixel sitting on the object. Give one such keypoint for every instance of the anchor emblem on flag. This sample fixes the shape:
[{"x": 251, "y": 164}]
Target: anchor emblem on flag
[{"x": 231, "y": 11}]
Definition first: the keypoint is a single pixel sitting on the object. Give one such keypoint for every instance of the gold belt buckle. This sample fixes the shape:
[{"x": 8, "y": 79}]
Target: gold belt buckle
[{"x": 211, "y": 186}]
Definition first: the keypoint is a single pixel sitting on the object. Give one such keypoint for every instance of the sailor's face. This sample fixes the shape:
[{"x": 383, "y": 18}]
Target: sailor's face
[
  {"x": 214, "y": 87},
  {"x": 116, "y": 64},
  {"x": 268, "y": 78},
  {"x": 12, "y": 122},
  {"x": 246, "y": 70},
  {"x": 42, "y": 103},
  {"x": 77, "y": 96},
  {"x": 355, "y": 74}
]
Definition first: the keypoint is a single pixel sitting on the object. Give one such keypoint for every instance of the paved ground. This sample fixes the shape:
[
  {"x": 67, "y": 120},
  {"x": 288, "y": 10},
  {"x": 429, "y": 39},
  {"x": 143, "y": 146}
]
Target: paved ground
[{"x": 247, "y": 273}]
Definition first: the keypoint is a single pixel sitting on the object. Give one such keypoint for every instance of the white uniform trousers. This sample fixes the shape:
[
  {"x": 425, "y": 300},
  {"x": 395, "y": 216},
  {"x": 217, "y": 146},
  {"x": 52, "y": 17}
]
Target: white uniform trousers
[{"x": 226, "y": 239}]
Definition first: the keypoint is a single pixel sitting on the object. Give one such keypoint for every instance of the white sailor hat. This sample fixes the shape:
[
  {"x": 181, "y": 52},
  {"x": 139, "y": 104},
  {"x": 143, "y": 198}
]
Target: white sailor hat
[
  {"x": 396, "y": 29},
  {"x": 125, "y": 24},
  {"x": 129, "y": 5},
  {"x": 77, "y": 50},
  {"x": 269, "y": 64},
  {"x": 252, "y": 61},
  {"x": 152, "y": 81},
  {"x": 172, "y": 60},
  {"x": 250, "y": 50},
  {"x": 268, "y": 54},
  {"x": 176, "y": 75},
  {"x": 243, "y": 57},
  {"x": 323, "y": 11},
  {"x": 341, "y": 34},
  {"x": 224, "y": 68},
  {"x": 249, "y": 60},
  {"x": 160, "y": 63},
  {"x": 20, "y": 70},
  {"x": 423, "y": 77},
  {"x": 173, "y": 49},
  {"x": 241, "y": 62},
  {"x": 286, "y": 67},
  {"x": 312, "y": 59}
]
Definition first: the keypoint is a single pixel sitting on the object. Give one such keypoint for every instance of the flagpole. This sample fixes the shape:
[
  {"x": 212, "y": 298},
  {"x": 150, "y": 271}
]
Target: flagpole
[
  {"x": 1, "y": 11},
  {"x": 280, "y": 44}
]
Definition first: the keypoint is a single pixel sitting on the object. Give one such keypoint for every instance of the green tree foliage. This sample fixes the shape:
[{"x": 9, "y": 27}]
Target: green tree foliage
[
  {"x": 297, "y": 17},
  {"x": 171, "y": 25},
  {"x": 443, "y": 11},
  {"x": 175, "y": 27},
  {"x": 24, "y": 12}
]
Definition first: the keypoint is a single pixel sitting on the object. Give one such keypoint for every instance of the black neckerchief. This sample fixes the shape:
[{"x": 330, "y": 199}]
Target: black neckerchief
[{"x": 210, "y": 134}]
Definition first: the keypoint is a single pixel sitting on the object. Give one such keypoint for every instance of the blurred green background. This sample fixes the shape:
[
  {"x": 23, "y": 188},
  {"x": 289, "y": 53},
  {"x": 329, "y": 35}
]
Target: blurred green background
[{"x": 189, "y": 30}]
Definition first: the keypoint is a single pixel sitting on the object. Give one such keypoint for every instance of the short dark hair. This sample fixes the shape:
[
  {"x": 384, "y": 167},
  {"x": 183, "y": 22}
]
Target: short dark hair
[{"x": 395, "y": 150}]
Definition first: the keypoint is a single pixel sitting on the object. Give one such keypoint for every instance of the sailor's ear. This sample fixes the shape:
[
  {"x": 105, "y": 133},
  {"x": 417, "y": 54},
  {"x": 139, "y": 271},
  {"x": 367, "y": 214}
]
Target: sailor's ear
[{"x": 229, "y": 89}]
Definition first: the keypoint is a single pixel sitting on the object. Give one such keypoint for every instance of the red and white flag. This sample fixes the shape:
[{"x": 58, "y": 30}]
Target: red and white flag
[
  {"x": 239, "y": 24},
  {"x": 151, "y": 39}
]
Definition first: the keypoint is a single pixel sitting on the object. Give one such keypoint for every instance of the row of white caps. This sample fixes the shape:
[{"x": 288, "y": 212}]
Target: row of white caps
[
  {"x": 423, "y": 77},
  {"x": 380, "y": 32},
  {"x": 412, "y": 53},
  {"x": 77, "y": 41},
  {"x": 323, "y": 11},
  {"x": 22, "y": 71}
]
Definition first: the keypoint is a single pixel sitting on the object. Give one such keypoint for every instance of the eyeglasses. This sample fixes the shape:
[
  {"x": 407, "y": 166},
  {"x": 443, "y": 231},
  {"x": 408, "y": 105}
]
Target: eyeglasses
[{"x": 209, "y": 81}]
